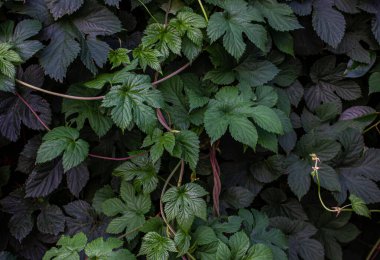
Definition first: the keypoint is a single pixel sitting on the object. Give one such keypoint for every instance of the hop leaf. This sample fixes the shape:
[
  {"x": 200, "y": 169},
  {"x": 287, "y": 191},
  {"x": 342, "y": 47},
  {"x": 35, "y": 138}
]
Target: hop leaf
[
  {"x": 359, "y": 206},
  {"x": 105, "y": 249},
  {"x": 184, "y": 203},
  {"x": 69, "y": 247},
  {"x": 154, "y": 246},
  {"x": 63, "y": 140},
  {"x": 118, "y": 57},
  {"x": 160, "y": 141},
  {"x": 132, "y": 102}
]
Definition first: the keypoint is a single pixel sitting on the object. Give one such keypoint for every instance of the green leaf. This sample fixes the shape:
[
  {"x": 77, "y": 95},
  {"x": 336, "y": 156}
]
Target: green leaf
[
  {"x": 223, "y": 252},
  {"x": 142, "y": 170},
  {"x": 8, "y": 59},
  {"x": 159, "y": 142},
  {"x": 79, "y": 111},
  {"x": 254, "y": 72},
  {"x": 182, "y": 241},
  {"x": 232, "y": 23},
  {"x": 259, "y": 252},
  {"x": 164, "y": 39},
  {"x": 189, "y": 24},
  {"x": 187, "y": 147},
  {"x": 359, "y": 206},
  {"x": 267, "y": 119},
  {"x": 239, "y": 244},
  {"x": 129, "y": 211},
  {"x": 284, "y": 42},
  {"x": 204, "y": 235},
  {"x": 185, "y": 202},
  {"x": 133, "y": 102},
  {"x": 147, "y": 57},
  {"x": 118, "y": 57},
  {"x": 229, "y": 109},
  {"x": 279, "y": 15},
  {"x": 154, "y": 246},
  {"x": 374, "y": 83},
  {"x": 101, "y": 249},
  {"x": 69, "y": 247},
  {"x": 63, "y": 140}
]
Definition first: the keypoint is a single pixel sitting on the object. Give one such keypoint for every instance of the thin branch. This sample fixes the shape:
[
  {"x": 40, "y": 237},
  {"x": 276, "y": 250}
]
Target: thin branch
[
  {"x": 98, "y": 97},
  {"x": 179, "y": 183},
  {"x": 171, "y": 74},
  {"x": 203, "y": 10},
  {"x": 115, "y": 159},
  {"x": 39, "y": 119},
  {"x": 55, "y": 93},
  {"x": 162, "y": 195},
  {"x": 167, "y": 12}
]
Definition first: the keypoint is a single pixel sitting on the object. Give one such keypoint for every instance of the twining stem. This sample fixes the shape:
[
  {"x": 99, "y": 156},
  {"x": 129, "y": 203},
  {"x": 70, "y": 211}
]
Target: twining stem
[
  {"x": 376, "y": 247},
  {"x": 336, "y": 210},
  {"x": 167, "y": 12},
  {"x": 39, "y": 119},
  {"x": 371, "y": 127},
  {"x": 55, "y": 93},
  {"x": 162, "y": 195},
  {"x": 147, "y": 9},
  {"x": 203, "y": 9},
  {"x": 182, "y": 171},
  {"x": 25, "y": 84}
]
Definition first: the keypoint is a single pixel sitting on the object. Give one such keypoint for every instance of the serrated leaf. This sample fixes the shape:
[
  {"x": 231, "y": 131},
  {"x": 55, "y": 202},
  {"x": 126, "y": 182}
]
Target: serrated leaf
[
  {"x": 51, "y": 220},
  {"x": 374, "y": 83},
  {"x": 184, "y": 203},
  {"x": 255, "y": 72},
  {"x": 229, "y": 109},
  {"x": 63, "y": 7},
  {"x": 267, "y": 119},
  {"x": 69, "y": 247},
  {"x": 133, "y": 102},
  {"x": 154, "y": 246},
  {"x": 187, "y": 147},
  {"x": 159, "y": 142},
  {"x": 280, "y": 16},
  {"x": 63, "y": 140},
  {"x": 11, "y": 118},
  {"x": 299, "y": 176},
  {"x": 359, "y": 206},
  {"x": 329, "y": 24}
]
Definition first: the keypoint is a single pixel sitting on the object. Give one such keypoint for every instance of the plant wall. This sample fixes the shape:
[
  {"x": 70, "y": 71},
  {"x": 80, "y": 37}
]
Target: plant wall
[{"x": 189, "y": 129}]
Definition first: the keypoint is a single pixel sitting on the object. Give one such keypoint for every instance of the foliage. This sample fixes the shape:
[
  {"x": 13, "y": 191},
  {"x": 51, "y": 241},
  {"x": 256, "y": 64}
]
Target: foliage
[{"x": 214, "y": 129}]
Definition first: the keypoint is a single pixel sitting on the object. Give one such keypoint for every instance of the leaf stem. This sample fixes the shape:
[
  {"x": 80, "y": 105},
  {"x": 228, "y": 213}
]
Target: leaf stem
[
  {"x": 371, "y": 127},
  {"x": 162, "y": 195},
  {"x": 25, "y": 84},
  {"x": 179, "y": 183},
  {"x": 203, "y": 10},
  {"x": 374, "y": 248},
  {"x": 39, "y": 119},
  {"x": 55, "y": 93},
  {"x": 167, "y": 12},
  {"x": 147, "y": 9}
]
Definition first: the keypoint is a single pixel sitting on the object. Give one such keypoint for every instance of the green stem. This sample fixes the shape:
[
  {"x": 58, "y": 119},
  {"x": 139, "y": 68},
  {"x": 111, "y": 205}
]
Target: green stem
[
  {"x": 319, "y": 194},
  {"x": 371, "y": 127},
  {"x": 375, "y": 246},
  {"x": 162, "y": 195},
  {"x": 146, "y": 8},
  {"x": 203, "y": 10}
]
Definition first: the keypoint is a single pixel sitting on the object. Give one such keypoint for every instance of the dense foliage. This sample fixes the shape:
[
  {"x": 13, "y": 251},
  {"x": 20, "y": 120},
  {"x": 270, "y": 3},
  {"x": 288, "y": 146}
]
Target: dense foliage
[{"x": 189, "y": 129}]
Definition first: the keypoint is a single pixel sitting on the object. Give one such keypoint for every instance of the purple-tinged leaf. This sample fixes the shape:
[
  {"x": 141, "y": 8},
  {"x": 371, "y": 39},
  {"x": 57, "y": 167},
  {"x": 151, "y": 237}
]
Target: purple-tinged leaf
[
  {"x": 356, "y": 112},
  {"x": 44, "y": 179},
  {"x": 299, "y": 174},
  {"x": 27, "y": 159},
  {"x": 20, "y": 226},
  {"x": 59, "y": 8},
  {"x": 77, "y": 178},
  {"x": 51, "y": 220}
]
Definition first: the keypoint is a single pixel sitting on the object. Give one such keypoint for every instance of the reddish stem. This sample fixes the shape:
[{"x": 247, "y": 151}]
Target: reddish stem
[
  {"x": 217, "y": 183},
  {"x": 33, "y": 112},
  {"x": 48, "y": 129},
  {"x": 25, "y": 84}
]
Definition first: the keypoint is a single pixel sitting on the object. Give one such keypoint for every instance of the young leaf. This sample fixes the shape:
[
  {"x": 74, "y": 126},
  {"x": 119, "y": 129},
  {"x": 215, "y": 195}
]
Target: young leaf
[
  {"x": 184, "y": 203},
  {"x": 66, "y": 141},
  {"x": 232, "y": 23},
  {"x": 359, "y": 206},
  {"x": 159, "y": 142},
  {"x": 118, "y": 57},
  {"x": 105, "y": 249},
  {"x": 230, "y": 110},
  {"x": 142, "y": 170},
  {"x": 133, "y": 101},
  {"x": 69, "y": 247},
  {"x": 187, "y": 147},
  {"x": 154, "y": 246}
]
